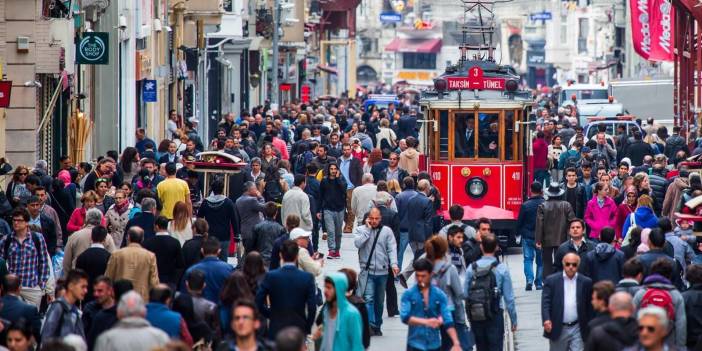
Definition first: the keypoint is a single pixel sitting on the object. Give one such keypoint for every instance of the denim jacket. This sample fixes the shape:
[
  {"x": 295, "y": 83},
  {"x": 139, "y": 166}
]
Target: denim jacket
[
  {"x": 421, "y": 337},
  {"x": 504, "y": 285}
]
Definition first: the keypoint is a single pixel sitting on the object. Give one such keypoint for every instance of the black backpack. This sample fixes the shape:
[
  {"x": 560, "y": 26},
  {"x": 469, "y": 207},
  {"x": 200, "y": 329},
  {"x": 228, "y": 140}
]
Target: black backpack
[
  {"x": 570, "y": 160},
  {"x": 273, "y": 191},
  {"x": 483, "y": 301}
]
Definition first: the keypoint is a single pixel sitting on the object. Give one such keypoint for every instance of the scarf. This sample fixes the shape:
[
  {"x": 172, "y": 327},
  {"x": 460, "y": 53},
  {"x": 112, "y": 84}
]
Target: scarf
[
  {"x": 65, "y": 177},
  {"x": 121, "y": 209}
]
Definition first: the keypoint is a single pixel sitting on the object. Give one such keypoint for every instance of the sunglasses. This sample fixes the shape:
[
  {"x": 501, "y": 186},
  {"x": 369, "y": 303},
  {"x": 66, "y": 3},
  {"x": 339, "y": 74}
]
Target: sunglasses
[
  {"x": 649, "y": 328},
  {"x": 570, "y": 264}
]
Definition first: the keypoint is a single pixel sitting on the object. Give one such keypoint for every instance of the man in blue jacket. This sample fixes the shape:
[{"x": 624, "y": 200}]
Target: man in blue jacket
[
  {"x": 526, "y": 224},
  {"x": 287, "y": 295},
  {"x": 161, "y": 317}
]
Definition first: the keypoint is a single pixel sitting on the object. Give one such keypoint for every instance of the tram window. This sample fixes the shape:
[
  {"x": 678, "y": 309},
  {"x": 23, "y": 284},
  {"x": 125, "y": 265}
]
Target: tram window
[
  {"x": 443, "y": 135},
  {"x": 464, "y": 135},
  {"x": 489, "y": 130},
  {"x": 509, "y": 135}
]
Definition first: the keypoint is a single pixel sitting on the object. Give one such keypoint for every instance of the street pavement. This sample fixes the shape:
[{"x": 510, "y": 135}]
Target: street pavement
[{"x": 529, "y": 332}]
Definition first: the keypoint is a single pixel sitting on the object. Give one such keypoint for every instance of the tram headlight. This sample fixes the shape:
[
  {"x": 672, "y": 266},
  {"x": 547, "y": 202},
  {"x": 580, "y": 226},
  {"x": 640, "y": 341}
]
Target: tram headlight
[
  {"x": 476, "y": 188},
  {"x": 511, "y": 85}
]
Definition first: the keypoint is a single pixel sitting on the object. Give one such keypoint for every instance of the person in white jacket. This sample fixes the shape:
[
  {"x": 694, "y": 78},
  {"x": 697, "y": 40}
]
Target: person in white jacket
[
  {"x": 297, "y": 202},
  {"x": 361, "y": 196}
]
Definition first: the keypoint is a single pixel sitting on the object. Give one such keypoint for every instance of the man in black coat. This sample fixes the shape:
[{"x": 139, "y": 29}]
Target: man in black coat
[
  {"x": 312, "y": 190},
  {"x": 619, "y": 333},
  {"x": 192, "y": 249},
  {"x": 407, "y": 125},
  {"x": 637, "y": 150},
  {"x": 577, "y": 244},
  {"x": 107, "y": 318},
  {"x": 169, "y": 255},
  {"x": 390, "y": 170},
  {"x": 287, "y": 295},
  {"x": 657, "y": 242},
  {"x": 46, "y": 226},
  {"x": 13, "y": 308},
  {"x": 565, "y": 306},
  {"x": 266, "y": 232},
  {"x": 143, "y": 219},
  {"x": 693, "y": 306},
  {"x": 94, "y": 260},
  {"x": 219, "y": 212},
  {"x": 604, "y": 262},
  {"x": 675, "y": 143},
  {"x": 526, "y": 225}
]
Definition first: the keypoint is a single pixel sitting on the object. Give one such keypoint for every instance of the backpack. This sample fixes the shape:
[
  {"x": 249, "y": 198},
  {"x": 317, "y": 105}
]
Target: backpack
[
  {"x": 301, "y": 162},
  {"x": 571, "y": 160},
  {"x": 483, "y": 299},
  {"x": 661, "y": 298},
  {"x": 65, "y": 316},
  {"x": 273, "y": 191},
  {"x": 386, "y": 146}
]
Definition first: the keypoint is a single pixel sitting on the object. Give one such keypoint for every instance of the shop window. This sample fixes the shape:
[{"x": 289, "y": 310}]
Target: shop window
[{"x": 417, "y": 60}]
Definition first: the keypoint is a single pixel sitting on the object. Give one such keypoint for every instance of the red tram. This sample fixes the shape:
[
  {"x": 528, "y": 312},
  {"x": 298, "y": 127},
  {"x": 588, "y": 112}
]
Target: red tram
[{"x": 476, "y": 142}]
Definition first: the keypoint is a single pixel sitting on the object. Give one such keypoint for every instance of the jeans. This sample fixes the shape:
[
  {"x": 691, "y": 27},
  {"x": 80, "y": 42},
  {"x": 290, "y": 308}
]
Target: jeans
[
  {"x": 333, "y": 223},
  {"x": 224, "y": 250},
  {"x": 541, "y": 176},
  {"x": 373, "y": 291},
  {"x": 349, "y": 215},
  {"x": 489, "y": 335},
  {"x": 531, "y": 253},
  {"x": 404, "y": 241}
]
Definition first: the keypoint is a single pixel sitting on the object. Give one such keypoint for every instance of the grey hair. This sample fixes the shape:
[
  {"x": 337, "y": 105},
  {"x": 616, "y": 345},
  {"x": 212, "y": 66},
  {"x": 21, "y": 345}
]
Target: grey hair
[
  {"x": 248, "y": 185},
  {"x": 367, "y": 178},
  {"x": 41, "y": 164},
  {"x": 148, "y": 204},
  {"x": 620, "y": 301},
  {"x": 131, "y": 305},
  {"x": 93, "y": 217},
  {"x": 423, "y": 185},
  {"x": 306, "y": 133},
  {"x": 657, "y": 312}
]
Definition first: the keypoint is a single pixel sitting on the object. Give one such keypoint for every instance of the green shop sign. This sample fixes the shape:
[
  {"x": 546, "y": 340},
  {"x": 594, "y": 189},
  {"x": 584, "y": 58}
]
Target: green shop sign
[{"x": 93, "y": 49}]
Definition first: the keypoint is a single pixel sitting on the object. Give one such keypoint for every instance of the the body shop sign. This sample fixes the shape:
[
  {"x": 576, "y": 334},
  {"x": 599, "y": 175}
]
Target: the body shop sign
[{"x": 93, "y": 49}]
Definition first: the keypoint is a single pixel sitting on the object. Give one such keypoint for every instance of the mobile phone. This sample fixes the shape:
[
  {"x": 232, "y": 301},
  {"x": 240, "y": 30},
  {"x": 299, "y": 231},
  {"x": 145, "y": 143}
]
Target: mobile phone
[{"x": 319, "y": 255}]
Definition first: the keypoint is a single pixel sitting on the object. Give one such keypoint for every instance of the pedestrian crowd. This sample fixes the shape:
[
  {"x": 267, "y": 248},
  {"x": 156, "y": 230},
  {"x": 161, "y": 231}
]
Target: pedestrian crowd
[
  {"x": 132, "y": 253},
  {"x": 608, "y": 235}
]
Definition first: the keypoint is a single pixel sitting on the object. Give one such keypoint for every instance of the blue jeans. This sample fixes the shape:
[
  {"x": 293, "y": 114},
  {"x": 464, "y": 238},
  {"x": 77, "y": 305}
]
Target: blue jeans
[
  {"x": 531, "y": 253},
  {"x": 333, "y": 223},
  {"x": 404, "y": 241},
  {"x": 374, "y": 294},
  {"x": 489, "y": 335},
  {"x": 465, "y": 337}
]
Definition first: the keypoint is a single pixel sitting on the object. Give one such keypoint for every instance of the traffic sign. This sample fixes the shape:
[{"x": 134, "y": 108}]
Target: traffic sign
[
  {"x": 541, "y": 16},
  {"x": 390, "y": 17},
  {"x": 475, "y": 81},
  {"x": 148, "y": 91},
  {"x": 93, "y": 48}
]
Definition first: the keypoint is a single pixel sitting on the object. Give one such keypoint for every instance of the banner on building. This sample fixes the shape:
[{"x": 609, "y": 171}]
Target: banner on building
[
  {"x": 652, "y": 31},
  {"x": 5, "y": 90},
  {"x": 93, "y": 49}
]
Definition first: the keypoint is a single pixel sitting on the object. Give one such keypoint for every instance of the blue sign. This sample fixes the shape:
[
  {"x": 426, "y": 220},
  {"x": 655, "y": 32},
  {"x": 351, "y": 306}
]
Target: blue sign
[
  {"x": 148, "y": 91},
  {"x": 541, "y": 16},
  {"x": 390, "y": 17}
]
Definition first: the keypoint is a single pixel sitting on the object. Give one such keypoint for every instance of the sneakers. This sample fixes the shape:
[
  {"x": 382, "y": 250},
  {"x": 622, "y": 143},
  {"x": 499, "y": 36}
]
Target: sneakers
[
  {"x": 376, "y": 332},
  {"x": 333, "y": 254},
  {"x": 539, "y": 287},
  {"x": 528, "y": 287}
]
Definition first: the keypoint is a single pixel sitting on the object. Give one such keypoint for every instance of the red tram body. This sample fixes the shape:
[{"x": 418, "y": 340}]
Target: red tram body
[{"x": 476, "y": 142}]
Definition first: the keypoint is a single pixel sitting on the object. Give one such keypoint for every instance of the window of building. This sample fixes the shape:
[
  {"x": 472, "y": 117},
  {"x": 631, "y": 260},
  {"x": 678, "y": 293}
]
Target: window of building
[
  {"x": 564, "y": 30},
  {"x": 416, "y": 60},
  {"x": 583, "y": 29}
]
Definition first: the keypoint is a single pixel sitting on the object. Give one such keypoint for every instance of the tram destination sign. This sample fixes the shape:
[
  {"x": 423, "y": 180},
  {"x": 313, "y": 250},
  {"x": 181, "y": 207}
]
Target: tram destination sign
[{"x": 475, "y": 80}]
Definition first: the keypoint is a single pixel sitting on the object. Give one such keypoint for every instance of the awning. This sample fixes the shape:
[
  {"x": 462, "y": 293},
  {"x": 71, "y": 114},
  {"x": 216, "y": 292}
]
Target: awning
[{"x": 426, "y": 45}]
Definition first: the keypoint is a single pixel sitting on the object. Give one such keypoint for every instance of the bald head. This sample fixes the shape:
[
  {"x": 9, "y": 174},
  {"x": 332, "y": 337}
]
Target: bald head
[{"x": 620, "y": 305}]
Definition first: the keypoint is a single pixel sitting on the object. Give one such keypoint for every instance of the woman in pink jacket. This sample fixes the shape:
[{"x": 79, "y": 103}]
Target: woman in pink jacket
[{"x": 601, "y": 211}]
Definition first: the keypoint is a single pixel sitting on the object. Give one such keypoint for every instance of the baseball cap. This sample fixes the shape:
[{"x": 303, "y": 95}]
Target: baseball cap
[
  {"x": 299, "y": 233},
  {"x": 585, "y": 149}
]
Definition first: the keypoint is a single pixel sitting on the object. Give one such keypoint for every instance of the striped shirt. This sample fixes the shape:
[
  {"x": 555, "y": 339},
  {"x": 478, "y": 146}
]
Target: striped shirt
[{"x": 23, "y": 260}]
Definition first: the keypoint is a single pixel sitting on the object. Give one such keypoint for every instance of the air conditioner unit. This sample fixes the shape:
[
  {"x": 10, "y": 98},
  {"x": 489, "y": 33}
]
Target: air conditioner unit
[{"x": 22, "y": 44}]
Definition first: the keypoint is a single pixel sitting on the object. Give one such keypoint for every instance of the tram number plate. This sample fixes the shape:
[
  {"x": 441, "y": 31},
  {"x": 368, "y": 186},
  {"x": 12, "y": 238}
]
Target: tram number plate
[{"x": 466, "y": 83}]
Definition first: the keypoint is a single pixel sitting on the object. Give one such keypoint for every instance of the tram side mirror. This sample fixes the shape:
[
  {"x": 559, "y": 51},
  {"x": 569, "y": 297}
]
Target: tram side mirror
[{"x": 516, "y": 126}]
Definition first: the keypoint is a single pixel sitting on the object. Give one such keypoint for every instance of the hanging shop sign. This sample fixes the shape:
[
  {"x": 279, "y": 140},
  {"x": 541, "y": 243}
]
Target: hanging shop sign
[{"x": 93, "y": 49}]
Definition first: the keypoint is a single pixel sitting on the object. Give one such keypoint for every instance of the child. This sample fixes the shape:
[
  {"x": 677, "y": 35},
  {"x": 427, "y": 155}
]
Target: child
[{"x": 683, "y": 230}]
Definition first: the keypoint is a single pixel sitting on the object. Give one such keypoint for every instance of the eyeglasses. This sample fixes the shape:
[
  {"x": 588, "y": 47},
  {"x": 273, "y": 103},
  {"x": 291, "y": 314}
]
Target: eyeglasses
[
  {"x": 18, "y": 220},
  {"x": 571, "y": 264},
  {"x": 649, "y": 328}
]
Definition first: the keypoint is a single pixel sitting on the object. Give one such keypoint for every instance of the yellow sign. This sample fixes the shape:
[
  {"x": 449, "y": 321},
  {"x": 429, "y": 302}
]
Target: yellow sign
[{"x": 415, "y": 75}]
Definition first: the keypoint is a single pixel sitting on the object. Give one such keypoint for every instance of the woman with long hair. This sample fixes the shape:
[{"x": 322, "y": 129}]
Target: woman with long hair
[
  {"x": 268, "y": 157},
  {"x": 128, "y": 165},
  {"x": 118, "y": 216},
  {"x": 253, "y": 269},
  {"x": 554, "y": 154},
  {"x": 601, "y": 210},
  {"x": 394, "y": 187},
  {"x": 376, "y": 155},
  {"x": 162, "y": 148},
  {"x": 642, "y": 183},
  {"x": 274, "y": 186},
  {"x": 17, "y": 191},
  {"x": 624, "y": 210},
  {"x": 643, "y": 217},
  {"x": 235, "y": 287},
  {"x": 181, "y": 227}
]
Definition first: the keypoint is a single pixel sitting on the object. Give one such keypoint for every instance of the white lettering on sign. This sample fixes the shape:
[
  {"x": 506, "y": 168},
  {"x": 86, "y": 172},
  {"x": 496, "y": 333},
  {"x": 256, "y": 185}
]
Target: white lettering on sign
[
  {"x": 664, "y": 38},
  {"x": 436, "y": 175},
  {"x": 516, "y": 175},
  {"x": 464, "y": 83},
  {"x": 645, "y": 26}
]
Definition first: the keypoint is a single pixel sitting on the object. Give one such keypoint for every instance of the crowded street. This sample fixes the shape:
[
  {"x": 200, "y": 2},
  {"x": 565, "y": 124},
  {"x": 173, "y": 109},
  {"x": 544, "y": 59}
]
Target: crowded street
[{"x": 350, "y": 175}]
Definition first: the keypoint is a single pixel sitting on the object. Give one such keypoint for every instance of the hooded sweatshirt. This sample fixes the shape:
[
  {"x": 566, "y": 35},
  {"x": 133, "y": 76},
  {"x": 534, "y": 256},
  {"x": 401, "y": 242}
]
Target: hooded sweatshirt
[
  {"x": 218, "y": 210},
  {"x": 604, "y": 263},
  {"x": 679, "y": 334},
  {"x": 348, "y": 324},
  {"x": 643, "y": 217},
  {"x": 409, "y": 160}
]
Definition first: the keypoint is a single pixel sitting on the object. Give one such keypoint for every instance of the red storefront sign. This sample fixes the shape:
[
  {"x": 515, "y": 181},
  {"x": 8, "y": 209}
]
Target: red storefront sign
[
  {"x": 652, "y": 29},
  {"x": 285, "y": 87},
  {"x": 475, "y": 80},
  {"x": 5, "y": 90}
]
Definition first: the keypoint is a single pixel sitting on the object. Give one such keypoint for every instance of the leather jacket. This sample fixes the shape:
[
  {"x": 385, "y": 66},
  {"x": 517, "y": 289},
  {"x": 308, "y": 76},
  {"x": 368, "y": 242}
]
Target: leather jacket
[{"x": 552, "y": 219}]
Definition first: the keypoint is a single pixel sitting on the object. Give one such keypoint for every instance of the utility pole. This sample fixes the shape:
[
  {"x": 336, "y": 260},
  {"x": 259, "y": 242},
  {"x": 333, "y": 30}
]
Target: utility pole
[{"x": 276, "y": 39}]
